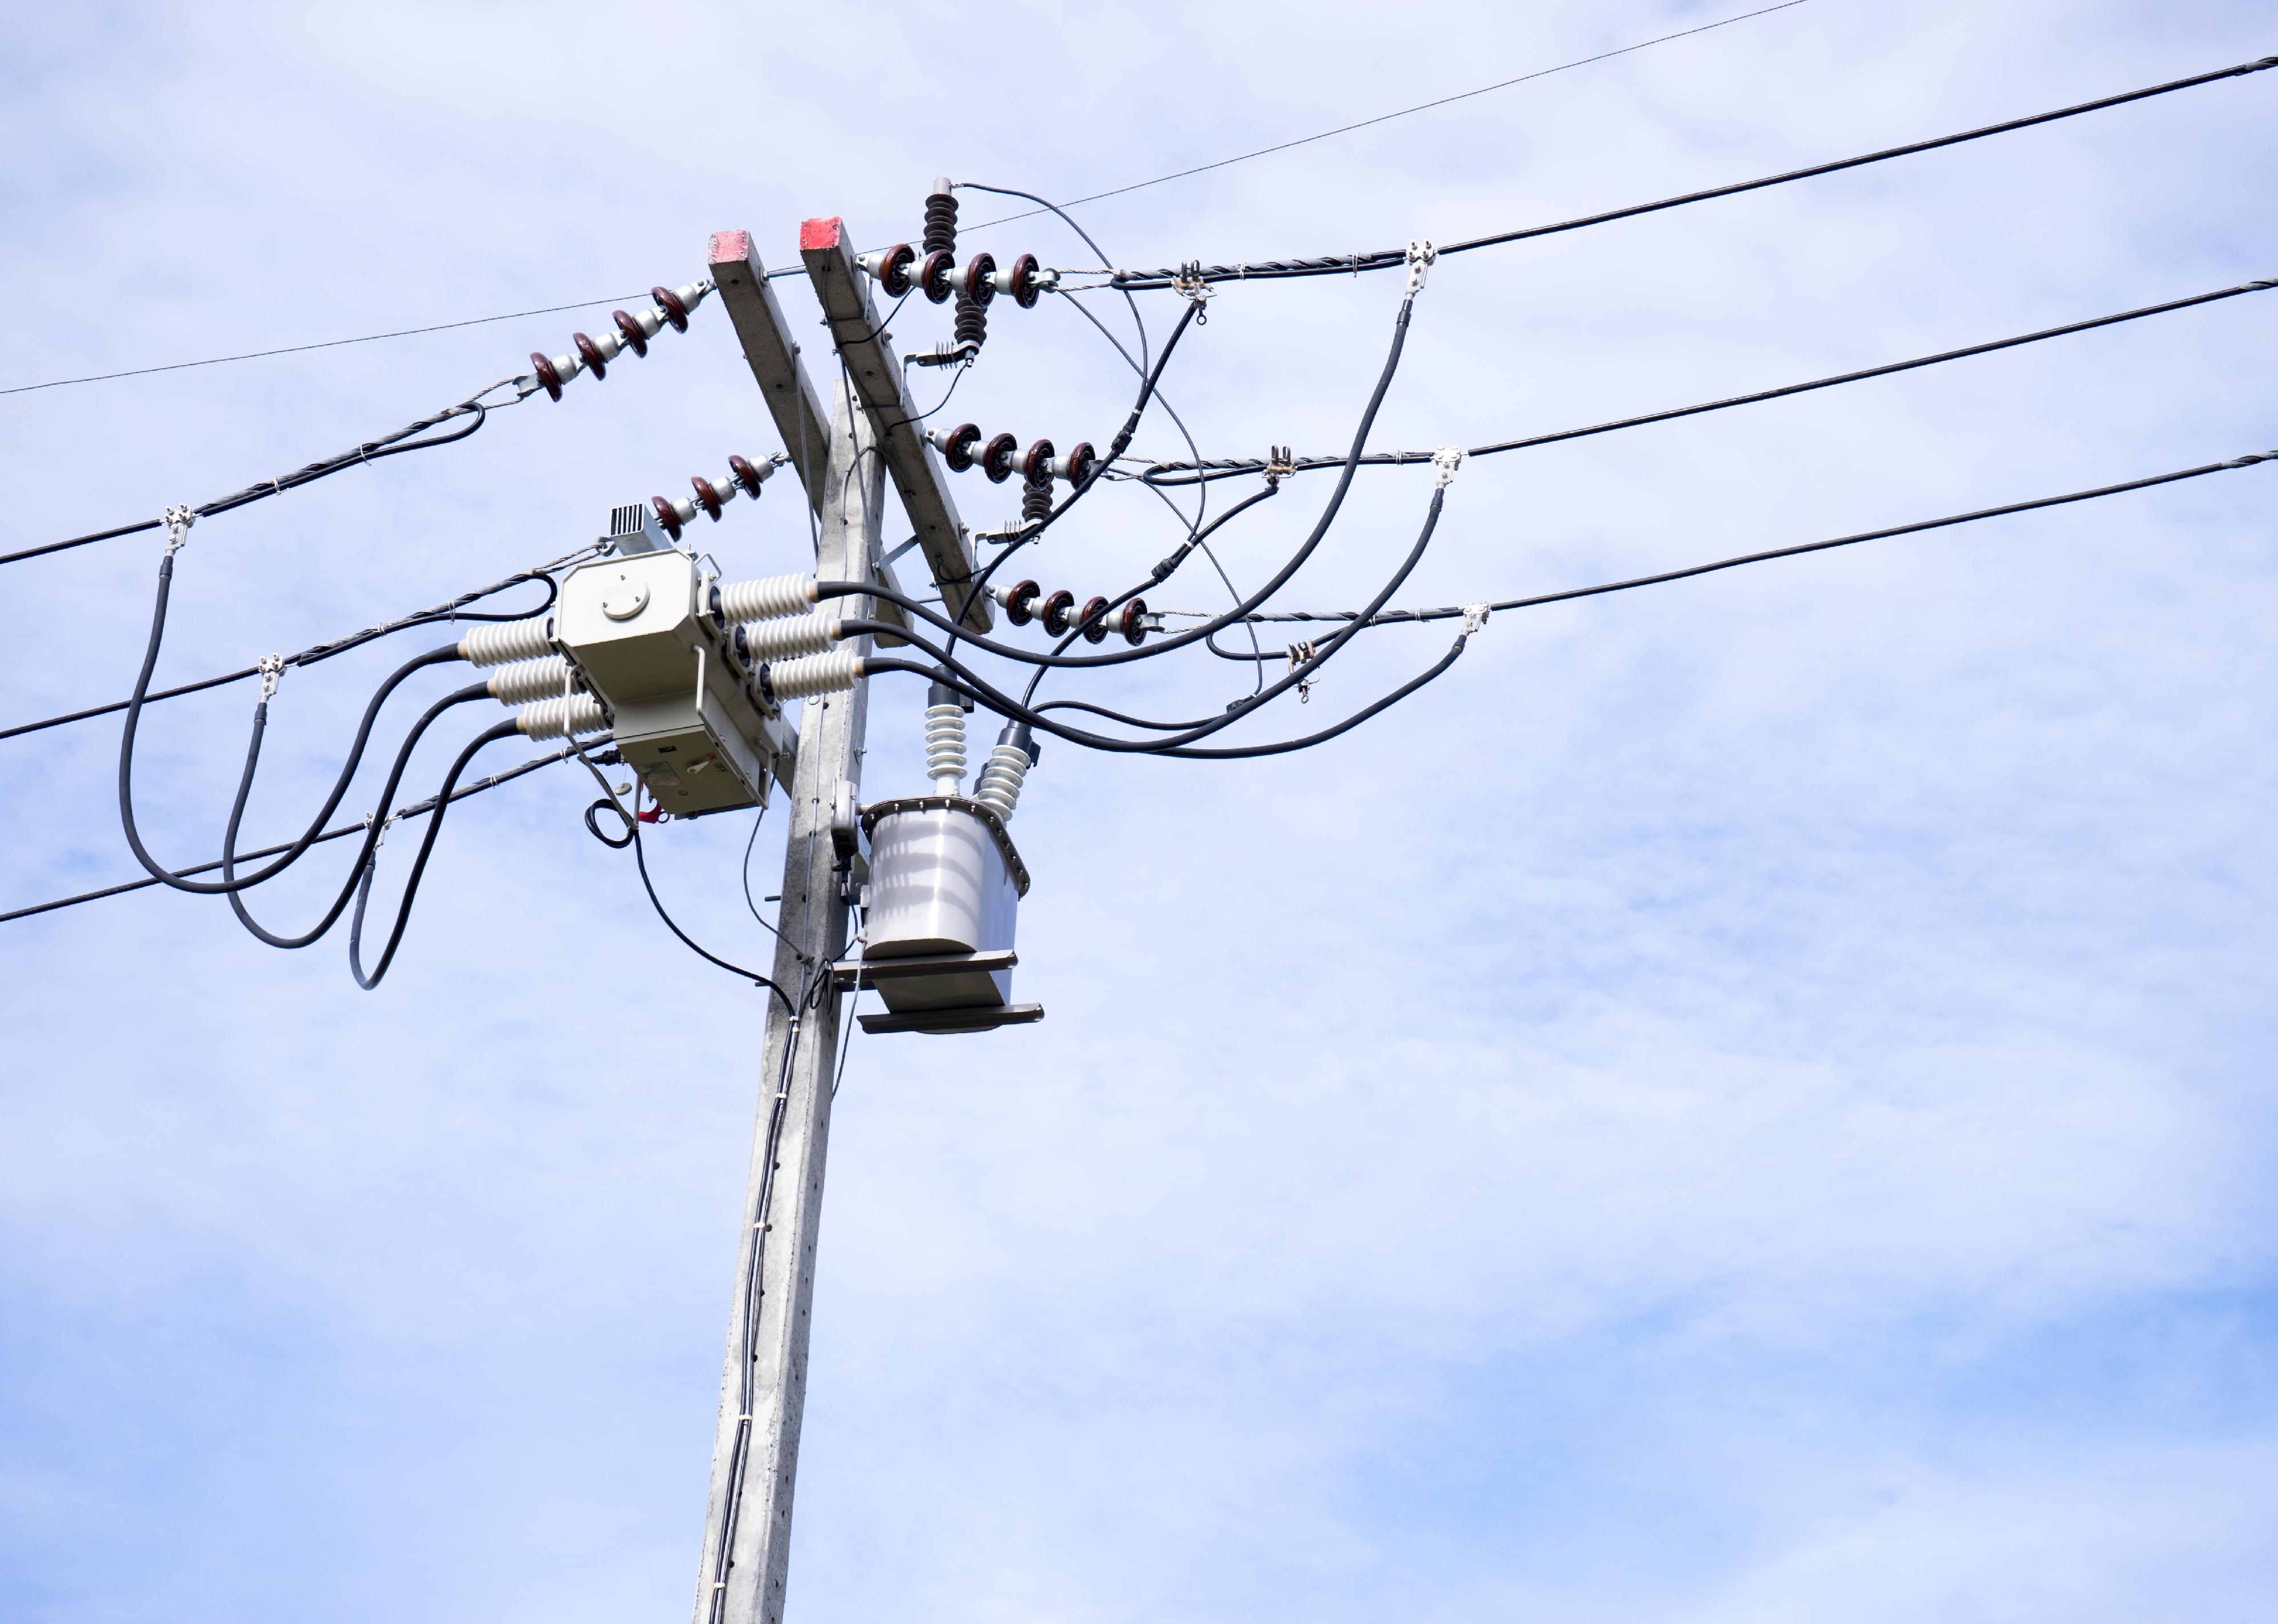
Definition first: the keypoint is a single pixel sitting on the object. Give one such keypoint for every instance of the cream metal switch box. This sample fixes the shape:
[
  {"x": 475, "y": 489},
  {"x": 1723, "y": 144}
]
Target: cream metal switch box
[{"x": 684, "y": 713}]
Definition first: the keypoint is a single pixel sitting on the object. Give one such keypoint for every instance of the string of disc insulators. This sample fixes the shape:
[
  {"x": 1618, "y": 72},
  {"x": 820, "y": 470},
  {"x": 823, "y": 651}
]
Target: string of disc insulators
[
  {"x": 899, "y": 269},
  {"x": 1027, "y": 601},
  {"x": 713, "y": 494},
  {"x": 962, "y": 448},
  {"x": 632, "y": 330}
]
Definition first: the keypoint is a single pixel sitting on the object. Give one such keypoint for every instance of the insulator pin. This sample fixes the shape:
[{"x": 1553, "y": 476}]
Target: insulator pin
[
  {"x": 956, "y": 444},
  {"x": 937, "y": 276},
  {"x": 1021, "y": 280},
  {"x": 890, "y": 267},
  {"x": 1020, "y": 601}
]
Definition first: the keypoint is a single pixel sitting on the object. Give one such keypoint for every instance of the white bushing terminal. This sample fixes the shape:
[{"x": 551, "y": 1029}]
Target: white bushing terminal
[
  {"x": 496, "y": 644},
  {"x": 771, "y": 599},
  {"x": 557, "y": 719},
  {"x": 532, "y": 679}
]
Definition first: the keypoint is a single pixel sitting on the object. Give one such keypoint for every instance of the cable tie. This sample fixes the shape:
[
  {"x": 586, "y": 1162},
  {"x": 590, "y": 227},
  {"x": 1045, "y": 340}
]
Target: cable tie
[
  {"x": 1420, "y": 255},
  {"x": 1447, "y": 459},
  {"x": 271, "y": 666}
]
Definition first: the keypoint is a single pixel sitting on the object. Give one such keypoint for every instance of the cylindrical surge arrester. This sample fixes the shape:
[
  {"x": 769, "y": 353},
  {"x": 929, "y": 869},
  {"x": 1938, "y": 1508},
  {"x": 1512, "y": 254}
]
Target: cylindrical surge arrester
[
  {"x": 944, "y": 733},
  {"x": 1000, "y": 789}
]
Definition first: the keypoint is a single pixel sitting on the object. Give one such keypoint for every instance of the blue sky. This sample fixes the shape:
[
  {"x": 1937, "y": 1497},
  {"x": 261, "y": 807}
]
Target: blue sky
[{"x": 1748, "y": 1100}]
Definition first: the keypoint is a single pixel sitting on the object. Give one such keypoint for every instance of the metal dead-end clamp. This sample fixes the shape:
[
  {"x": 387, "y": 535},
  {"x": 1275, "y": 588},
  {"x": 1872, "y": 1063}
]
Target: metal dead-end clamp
[{"x": 1420, "y": 255}]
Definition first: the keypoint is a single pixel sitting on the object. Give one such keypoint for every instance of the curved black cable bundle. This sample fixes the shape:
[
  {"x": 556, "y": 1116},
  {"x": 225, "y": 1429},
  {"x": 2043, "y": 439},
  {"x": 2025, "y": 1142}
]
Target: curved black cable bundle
[
  {"x": 506, "y": 730},
  {"x": 318, "y": 652},
  {"x": 371, "y": 451},
  {"x": 134, "y": 704}
]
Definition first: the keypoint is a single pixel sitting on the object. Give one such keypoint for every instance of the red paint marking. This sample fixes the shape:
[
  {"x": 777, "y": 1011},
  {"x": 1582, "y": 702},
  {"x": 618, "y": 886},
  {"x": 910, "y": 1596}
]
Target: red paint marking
[
  {"x": 821, "y": 234},
  {"x": 730, "y": 247}
]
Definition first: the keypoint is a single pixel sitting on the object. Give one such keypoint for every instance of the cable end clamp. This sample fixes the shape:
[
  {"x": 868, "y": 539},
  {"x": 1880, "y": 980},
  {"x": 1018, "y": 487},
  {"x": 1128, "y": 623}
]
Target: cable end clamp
[
  {"x": 1475, "y": 616},
  {"x": 1420, "y": 255},
  {"x": 179, "y": 520},
  {"x": 1447, "y": 459},
  {"x": 271, "y": 666},
  {"x": 1280, "y": 462},
  {"x": 1191, "y": 284}
]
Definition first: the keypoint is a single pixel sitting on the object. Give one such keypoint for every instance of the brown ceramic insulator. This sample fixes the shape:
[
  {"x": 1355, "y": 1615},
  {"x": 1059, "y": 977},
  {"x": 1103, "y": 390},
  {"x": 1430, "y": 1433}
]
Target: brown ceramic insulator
[
  {"x": 940, "y": 222},
  {"x": 957, "y": 450},
  {"x": 668, "y": 515},
  {"x": 1094, "y": 621},
  {"x": 635, "y": 340},
  {"x": 590, "y": 352},
  {"x": 996, "y": 460},
  {"x": 706, "y": 498},
  {"x": 746, "y": 476},
  {"x": 1128, "y": 621},
  {"x": 894, "y": 269},
  {"x": 937, "y": 277},
  {"x": 546, "y": 375},
  {"x": 1037, "y": 467},
  {"x": 1035, "y": 502},
  {"x": 978, "y": 287},
  {"x": 1081, "y": 463},
  {"x": 1024, "y": 291},
  {"x": 1020, "y": 603},
  {"x": 674, "y": 312},
  {"x": 1056, "y": 612}
]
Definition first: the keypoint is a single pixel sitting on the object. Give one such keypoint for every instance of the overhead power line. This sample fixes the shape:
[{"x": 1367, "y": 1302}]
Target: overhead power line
[
  {"x": 1385, "y": 259},
  {"x": 1421, "y": 107},
  {"x": 1190, "y": 473},
  {"x": 370, "y": 451},
  {"x": 785, "y": 271},
  {"x": 417, "y": 809},
  {"x": 296, "y": 349},
  {"x": 1395, "y": 617},
  {"x": 310, "y": 656}
]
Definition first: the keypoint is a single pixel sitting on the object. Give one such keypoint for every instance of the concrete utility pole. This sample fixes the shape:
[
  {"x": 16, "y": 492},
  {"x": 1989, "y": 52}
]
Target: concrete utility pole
[{"x": 844, "y": 466}]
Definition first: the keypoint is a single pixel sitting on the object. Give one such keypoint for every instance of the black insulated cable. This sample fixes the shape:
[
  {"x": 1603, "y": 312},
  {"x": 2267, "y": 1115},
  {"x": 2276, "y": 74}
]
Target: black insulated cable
[
  {"x": 374, "y": 830},
  {"x": 1385, "y": 259},
  {"x": 1122, "y": 442},
  {"x": 419, "y": 809},
  {"x": 978, "y": 688},
  {"x": 318, "y": 652},
  {"x": 151, "y": 865},
  {"x": 1296, "y": 561},
  {"x": 640, "y": 860},
  {"x": 490, "y": 735},
  {"x": 371, "y": 451},
  {"x": 1162, "y": 572}
]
